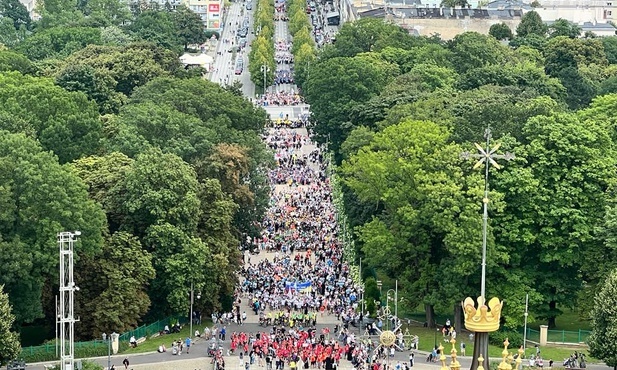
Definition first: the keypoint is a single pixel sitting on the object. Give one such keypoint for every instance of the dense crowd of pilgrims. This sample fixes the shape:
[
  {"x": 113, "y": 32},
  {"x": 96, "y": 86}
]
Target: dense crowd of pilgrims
[
  {"x": 305, "y": 276},
  {"x": 300, "y": 232}
]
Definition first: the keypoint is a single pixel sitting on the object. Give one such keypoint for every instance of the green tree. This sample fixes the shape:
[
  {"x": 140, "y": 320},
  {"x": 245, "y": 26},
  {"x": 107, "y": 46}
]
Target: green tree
[
  {"x": 500, "y": 31},
  {"x": 58, "y": 42},
  {"x": 149, "y": 124},
  {"x": 555, "y": 199},
  {"x": 425, "y": 208},
  {"x": 65, "y": 122},
  {"x": 16, "y": 11},
  {"x": 610, "y": 48},
  {"x": 105, "y": 178},
  {"x": 562, "y": 52},
  {"x": 371, "y": 34},
  {"x": 9, "y": 345},
  {"x": 336, "y": 85},
  {"x": 580, "y": 90},
  {"x": 523, "y": 75},
  {"x": 13, "y": 61},
  {"x": 158, "y": 27},
  {"x": 98, "y": 85},
  {"x": 160, "y": 188},
  {"x": 531, "y": 24},
  {"x": 562, "y": 27},
  {"x": 217, "y": 229},
  {"x": 371, "y": 294},
  {"x": 105, "y": 13},
  {"x": 39, "y": 199},
  {"x": 180, "y": 260},
  {"x": 9, "y": 36},
  {"x": 604, "y": 323},
  {"x": 115, "y": 36},
  {"x": 118, "y": 68},
  {"x": 190, "y": 27},
  {"x": 473, "y": 50},
  {"x": 454, "y": 3},
  {"x": 113, "y": 293}
]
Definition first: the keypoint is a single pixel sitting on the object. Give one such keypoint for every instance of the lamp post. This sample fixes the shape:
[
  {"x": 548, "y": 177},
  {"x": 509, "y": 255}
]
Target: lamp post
[
  {"x": 191, "y": 313},
  {"x": 525, "y": 329},
  {"x": 487, "y": 157},
  {"x": 265, "y": 69},
  {"x": 108, "y": 340}
]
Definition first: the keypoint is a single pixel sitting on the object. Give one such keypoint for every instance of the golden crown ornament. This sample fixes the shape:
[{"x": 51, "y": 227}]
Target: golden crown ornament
[{"x": 484, "y": 318}]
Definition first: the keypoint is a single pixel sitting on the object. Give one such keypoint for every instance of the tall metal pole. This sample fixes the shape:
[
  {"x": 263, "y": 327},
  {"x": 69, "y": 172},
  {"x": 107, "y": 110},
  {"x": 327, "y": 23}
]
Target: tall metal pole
[
  {"x": 57, "y": 322},
  {"x": 109, "y": 352},
  {"x": 191, "y": 314},
  {"x": 396, "y": 300},
  {"x": 362, "y": 288},
  {"x": 485, "y": 221},
  {"x": 67, "y": 299},
  {"x": 487, "y": 156},
  {"x": 525, "y": 332}
]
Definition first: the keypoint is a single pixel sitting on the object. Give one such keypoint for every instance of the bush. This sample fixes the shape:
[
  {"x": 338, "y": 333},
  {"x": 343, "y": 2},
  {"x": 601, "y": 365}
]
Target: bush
[
  {"x": 82, "y": 350},
  {"x": 497, "y": 338}
]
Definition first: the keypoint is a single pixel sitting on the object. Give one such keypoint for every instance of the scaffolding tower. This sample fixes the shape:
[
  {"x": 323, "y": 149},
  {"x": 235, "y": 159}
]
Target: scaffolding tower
[{"x": 66, "y": 313}]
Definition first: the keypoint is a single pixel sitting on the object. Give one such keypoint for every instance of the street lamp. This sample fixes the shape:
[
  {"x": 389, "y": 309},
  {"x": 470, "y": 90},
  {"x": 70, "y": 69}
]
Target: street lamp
[
  {"x": 191, "y": 313},
  {"x": 107, "y": 338},
  {"x": 265, "y": 69}
]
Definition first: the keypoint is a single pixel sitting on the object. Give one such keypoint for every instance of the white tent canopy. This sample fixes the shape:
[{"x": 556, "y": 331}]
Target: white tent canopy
[{"x": 201, "y": 60}]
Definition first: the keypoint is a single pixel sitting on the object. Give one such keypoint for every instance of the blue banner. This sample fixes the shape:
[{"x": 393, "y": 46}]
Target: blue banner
[{"x": 299, "y": 287}]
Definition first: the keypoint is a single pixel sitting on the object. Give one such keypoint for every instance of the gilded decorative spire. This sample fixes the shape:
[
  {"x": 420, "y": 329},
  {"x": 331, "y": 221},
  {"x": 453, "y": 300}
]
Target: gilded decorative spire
[
  {"x": 481, "y": 362},
  {"x": 442, "y": 358},
  {"x": 506, "y": 357},
  {"x": 454, "y": 365}
]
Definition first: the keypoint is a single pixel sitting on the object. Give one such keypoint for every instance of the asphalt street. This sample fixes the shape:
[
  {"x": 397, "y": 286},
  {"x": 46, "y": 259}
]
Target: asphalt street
[{"x": 224, "y": 60}]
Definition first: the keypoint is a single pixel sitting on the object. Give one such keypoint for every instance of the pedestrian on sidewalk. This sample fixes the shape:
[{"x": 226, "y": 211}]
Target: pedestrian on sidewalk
[
  {"x": 188, "y": 344},
  {"x": 126, "y": 363}
]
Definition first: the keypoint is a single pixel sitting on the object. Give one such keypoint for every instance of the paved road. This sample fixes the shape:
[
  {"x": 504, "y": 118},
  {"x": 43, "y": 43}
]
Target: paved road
[
  {"x": 224, "y": 60},
  {"x": 197, "y": 359}
]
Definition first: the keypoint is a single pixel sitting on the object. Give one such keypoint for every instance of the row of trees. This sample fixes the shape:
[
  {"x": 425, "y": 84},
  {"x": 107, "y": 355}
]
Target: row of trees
[
  {"x": 262, "y": 48},
  {"x": 303, "y": 48},
  {"x": 102, "y": 130},
  {"x": 399, "y": 110}
]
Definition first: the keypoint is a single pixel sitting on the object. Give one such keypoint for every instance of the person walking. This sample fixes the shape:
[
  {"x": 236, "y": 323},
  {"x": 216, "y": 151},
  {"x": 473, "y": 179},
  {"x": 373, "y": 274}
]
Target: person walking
[
  {"x": 188, "y": 343},
  {"x": 126, "y": 363}
]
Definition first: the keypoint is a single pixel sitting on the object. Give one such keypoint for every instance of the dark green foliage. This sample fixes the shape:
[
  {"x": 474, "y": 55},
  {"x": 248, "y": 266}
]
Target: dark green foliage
[
  {"x": 531, "y": 24},
  {"x": 498, "y": 337},
  {"x": 16, "y": 11},
  {"x": 500, "y": 31},
  {"x": 58, "y": 42}
]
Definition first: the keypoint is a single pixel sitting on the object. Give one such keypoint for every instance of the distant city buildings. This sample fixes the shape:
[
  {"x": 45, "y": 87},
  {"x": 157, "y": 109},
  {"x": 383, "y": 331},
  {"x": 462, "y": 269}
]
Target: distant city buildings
[
  {"x": 427, "y": 17},
  {"x": 208, "y": 10}
]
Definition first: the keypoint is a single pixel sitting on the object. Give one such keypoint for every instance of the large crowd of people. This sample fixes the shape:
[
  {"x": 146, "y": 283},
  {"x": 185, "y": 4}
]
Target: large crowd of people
[
  {"x": 304, "y": 277},
  {"x": 280, "y": 98}
]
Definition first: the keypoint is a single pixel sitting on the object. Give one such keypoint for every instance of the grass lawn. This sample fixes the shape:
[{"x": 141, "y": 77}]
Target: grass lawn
[
  {"x": 428, "y": 336},
  {"x": 152, "y": 344},
  {"x": 568, "y": 321}
]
